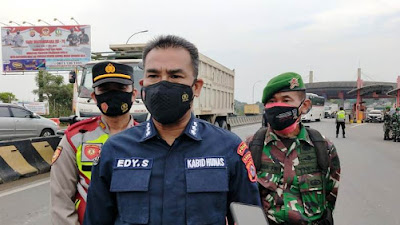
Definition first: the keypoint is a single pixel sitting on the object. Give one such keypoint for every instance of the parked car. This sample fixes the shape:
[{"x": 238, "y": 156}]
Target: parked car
[
  {"x": 374, "y": 116},
  {"x": 18, "y": 122}
]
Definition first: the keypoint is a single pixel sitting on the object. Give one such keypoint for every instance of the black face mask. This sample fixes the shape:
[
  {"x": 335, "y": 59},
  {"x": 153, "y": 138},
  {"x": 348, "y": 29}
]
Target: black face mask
[
  {"x": 167, "y": 102},
  {"x": 282, "y": 116},
  {"x": 114, "y": 103}
]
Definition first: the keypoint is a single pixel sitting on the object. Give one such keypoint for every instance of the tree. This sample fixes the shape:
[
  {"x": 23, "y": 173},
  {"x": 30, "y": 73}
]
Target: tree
[
  {"x": 7, "y": 97},
  {"x": 59, "y": 95}
]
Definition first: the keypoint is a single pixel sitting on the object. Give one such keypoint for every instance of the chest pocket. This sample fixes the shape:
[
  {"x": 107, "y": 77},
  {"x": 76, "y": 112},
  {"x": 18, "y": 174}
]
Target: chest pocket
[
  {"x": 206, "y": 199},
  {"x": 131, "y": 187},
  {"x": 310, "y": 182}
]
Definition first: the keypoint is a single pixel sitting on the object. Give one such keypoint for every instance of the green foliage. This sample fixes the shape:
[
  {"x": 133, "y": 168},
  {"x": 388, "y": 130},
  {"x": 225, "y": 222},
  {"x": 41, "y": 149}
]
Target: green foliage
[
  {"x": 59, "y": 95},
  {"x": 7, "y": 97}
]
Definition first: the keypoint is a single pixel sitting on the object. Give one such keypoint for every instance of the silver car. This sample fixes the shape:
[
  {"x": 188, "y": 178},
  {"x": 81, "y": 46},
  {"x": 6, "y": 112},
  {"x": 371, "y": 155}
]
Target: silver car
[{"x": 18, "y": 122}]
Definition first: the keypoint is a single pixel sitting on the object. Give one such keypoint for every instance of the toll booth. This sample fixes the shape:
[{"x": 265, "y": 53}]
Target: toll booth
[{"x": 361, "y": 109}]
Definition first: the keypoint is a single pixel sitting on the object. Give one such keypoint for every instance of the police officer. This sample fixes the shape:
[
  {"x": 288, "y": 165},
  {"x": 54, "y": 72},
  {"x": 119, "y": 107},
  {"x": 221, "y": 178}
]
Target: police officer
[
  {"x": 174, "y": 168},
  {"x": 299, "y": 170},
  {"x": 82, "y": 142},
  {"x": 340, "y": 122}
]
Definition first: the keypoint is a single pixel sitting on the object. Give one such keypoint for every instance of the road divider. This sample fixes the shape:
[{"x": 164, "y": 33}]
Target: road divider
[
  {"x": 244, "y": 120},
  {"x": 27, "y": 157}
]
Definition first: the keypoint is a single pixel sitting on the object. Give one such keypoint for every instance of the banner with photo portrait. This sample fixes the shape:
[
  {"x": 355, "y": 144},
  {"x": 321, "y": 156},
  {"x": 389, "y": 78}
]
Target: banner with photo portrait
[{"x": 52, "y": 48}]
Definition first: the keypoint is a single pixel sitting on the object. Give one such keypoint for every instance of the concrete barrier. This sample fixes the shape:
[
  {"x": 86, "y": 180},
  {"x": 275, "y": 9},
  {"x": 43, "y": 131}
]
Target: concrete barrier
[
  {"x": 27, "y": 157},
  {"x": 243, "y": 120}
]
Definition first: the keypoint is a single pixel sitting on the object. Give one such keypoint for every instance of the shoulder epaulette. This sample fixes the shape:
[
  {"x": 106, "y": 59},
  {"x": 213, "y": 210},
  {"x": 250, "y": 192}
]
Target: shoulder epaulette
[{"x": 81, "y": 125}]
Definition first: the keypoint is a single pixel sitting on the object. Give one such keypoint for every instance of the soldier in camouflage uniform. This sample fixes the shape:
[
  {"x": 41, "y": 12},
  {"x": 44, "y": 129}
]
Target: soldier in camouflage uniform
[
  {"x": 396, "y": 125},
  {"x": 292, "y": 186},
  {"x": 387, "y": 122}
]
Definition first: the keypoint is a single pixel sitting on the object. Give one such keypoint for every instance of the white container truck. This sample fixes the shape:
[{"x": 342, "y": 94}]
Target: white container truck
[{"x": 214, "y": 105}]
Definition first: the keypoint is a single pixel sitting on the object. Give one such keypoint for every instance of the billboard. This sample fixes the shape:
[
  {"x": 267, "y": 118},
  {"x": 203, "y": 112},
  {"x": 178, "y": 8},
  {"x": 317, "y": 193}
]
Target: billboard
[{"x": 53, "y": 48}]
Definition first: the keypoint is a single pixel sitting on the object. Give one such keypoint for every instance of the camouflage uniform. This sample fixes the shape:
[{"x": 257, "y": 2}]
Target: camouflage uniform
[
  {"x": 291, "y": 183},
  {"x": 396, "y": 126},
  {"x": 387, "y": 125}
]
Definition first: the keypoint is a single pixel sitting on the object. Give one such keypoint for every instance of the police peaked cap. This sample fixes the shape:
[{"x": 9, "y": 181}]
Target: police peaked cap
[
  {"x": 284, "y": 82},
  {"x": 108, "y": 71}
]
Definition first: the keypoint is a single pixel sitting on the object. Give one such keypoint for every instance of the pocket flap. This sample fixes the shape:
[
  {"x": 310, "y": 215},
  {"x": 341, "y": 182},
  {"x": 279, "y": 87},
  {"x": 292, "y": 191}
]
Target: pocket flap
[
  {"x": 130, "y": 180},
  {"x": 207, "y": 180},
  {"x": 310, "y": 182}
]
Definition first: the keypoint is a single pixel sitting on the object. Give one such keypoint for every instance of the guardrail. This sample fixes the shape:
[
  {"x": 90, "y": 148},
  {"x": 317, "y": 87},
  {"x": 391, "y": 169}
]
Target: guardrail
[
  {"x": 244, "y": 120},
  {"x": 27, "y": 157}
]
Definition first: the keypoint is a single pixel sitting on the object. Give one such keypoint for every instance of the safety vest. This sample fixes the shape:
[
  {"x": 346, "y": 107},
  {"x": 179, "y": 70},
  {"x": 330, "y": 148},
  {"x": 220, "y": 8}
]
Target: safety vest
[
  {"x": 341, "y": 116},
  {"x": 86, "y": 138}
]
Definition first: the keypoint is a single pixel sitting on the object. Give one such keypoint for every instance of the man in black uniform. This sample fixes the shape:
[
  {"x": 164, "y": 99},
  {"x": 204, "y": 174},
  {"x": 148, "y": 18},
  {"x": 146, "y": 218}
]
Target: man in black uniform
[{"x": 173, "y": 169}]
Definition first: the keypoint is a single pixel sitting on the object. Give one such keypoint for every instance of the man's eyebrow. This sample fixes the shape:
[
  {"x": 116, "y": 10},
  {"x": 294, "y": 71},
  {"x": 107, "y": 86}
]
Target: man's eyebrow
[
  {"x": 174, "y": 71},
  {"x": 286, "y": 96},
  {"x": 152, "y": 71}
]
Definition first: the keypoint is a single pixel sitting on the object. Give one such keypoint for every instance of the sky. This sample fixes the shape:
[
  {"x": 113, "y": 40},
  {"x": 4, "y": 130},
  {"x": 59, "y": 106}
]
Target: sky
[{"x": 258, "y": 38}]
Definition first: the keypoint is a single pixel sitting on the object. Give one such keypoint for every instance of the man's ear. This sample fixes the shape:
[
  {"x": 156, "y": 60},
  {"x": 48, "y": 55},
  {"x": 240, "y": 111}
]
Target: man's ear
[
  {"x": 306, "y": 107},
  {"x": 197, "y": 87},
  {"x": 93, "y": 97},
  {"x": 134, "y": 94}
]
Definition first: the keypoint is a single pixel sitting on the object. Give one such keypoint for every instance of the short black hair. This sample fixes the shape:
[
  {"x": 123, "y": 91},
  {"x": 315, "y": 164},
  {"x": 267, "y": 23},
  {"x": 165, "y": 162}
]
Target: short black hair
[
  {"x": 172, "y": 41},
  {"x": 341, "y": 108}
]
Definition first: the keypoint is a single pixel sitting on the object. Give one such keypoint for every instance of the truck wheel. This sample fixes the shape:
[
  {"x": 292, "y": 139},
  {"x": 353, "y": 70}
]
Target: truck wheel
[{"x": 223, "y": 124}]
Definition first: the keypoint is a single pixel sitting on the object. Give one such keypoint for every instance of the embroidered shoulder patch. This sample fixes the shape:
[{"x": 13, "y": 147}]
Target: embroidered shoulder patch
[
  {"x": 56, "y": 154},
  {"x": 251, "y": 169},
  {"x": 241, "y": 148}
]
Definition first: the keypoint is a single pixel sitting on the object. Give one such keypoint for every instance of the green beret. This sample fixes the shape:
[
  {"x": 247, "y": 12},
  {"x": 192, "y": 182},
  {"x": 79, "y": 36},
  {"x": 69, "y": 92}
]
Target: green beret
[{"x": 281, "y": 83}]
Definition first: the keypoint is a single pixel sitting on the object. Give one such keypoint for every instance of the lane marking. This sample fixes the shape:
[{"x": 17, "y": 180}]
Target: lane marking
[
  {"x": 24, "y": 188},
  {"x": 357, "y": 125}
]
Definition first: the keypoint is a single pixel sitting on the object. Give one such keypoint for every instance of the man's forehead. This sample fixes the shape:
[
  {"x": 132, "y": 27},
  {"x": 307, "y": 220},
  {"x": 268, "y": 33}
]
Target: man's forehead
[
  {"x": 291, "y": 94},
  {"x": 177, "y": 55}
]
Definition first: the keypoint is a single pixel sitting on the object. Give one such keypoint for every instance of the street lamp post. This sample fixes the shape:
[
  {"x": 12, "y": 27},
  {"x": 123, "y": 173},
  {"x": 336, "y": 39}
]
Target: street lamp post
[
  {"x": 72, "y": 18},
  {"x": 253, "y": 88},
  {"x": 143, "y": 31},
  {"x": 15, "y": 22},
  {"x": 40, "y": 20},
  {"x": 24, "y": 22},
  {"x": 55, "y": 19}
]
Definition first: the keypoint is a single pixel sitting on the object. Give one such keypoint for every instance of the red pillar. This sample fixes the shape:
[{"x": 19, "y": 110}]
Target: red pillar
[{"x": 358, "y": 103}]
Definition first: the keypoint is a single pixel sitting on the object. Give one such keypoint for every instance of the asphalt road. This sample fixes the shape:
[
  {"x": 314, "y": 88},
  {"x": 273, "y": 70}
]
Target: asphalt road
[{"x": 368, "y": 193}]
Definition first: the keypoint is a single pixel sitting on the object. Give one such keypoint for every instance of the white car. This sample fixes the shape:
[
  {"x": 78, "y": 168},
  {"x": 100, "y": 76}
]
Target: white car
[
  {"x": 18, "y": 122},
  {"x": 375, "y": 116}
]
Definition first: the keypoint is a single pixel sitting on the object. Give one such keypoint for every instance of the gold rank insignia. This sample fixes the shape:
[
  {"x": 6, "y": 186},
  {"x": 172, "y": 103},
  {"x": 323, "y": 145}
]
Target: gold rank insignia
[
  {"x": 185, "y": 97},
  {"x": 110, "y": 68},
  {"x": 124, "y": 107}
]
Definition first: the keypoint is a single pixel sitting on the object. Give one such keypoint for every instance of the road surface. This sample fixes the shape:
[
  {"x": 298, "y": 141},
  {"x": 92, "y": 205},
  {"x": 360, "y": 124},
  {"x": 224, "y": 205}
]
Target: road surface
[{"x": 368, "y": 193}]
